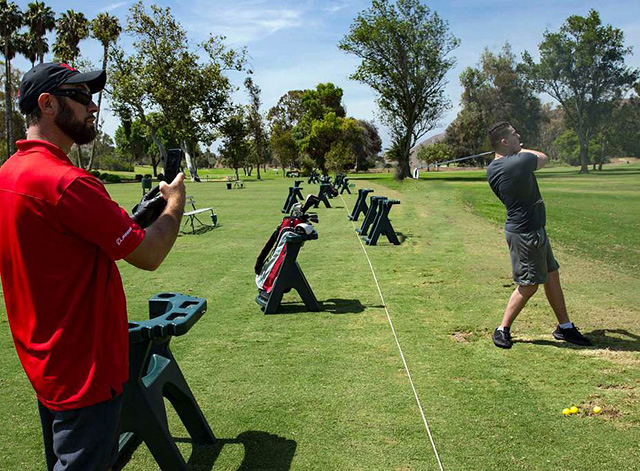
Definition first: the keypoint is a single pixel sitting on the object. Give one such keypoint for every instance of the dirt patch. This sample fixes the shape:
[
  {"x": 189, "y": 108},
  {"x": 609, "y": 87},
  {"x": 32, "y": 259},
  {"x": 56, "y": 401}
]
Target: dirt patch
[
  {"x": 461, "y": 336},
  {"x": 619, "y": 357},
  {"x": 618, "y": 387}
]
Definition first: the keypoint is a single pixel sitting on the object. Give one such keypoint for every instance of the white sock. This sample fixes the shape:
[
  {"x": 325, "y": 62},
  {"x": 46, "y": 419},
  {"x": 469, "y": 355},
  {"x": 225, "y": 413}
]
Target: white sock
[
  {"x": 503, "y": 328},
  {"x": 566, "y": 325}
]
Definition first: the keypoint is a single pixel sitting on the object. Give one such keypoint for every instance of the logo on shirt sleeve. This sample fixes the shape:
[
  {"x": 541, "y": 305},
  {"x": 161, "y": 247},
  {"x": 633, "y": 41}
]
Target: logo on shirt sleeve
[{"x": 121, "y": 239}]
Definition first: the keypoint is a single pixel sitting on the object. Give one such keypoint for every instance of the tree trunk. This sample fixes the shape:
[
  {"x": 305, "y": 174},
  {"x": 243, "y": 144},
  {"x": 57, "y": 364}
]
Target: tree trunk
[
  {"x": 584, "y": 153},
  {"x": 237, "y": 176},
  {"x": 79, "y": 162},
  {"x": 97, "y": 121},
  {"x": 156, "y": 141},
  {"x": 154, "y": 164},
  {"x": 191, "y": 163},
  {"x": 7, "y": 100},
  {"x": 600, "y": 166}
]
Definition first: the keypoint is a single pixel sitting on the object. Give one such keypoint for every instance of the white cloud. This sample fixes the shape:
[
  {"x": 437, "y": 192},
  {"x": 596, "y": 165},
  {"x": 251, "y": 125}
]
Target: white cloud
[
  {"x": 241, "y": 24},
  {"x": 113, "y": 6}
]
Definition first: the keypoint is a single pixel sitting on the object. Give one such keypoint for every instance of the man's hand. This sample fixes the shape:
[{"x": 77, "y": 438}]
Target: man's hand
[
  {"x": 542, "y": 157},
  {"x": 174, "y": 193},
  {"x": 161, "y": 234}
]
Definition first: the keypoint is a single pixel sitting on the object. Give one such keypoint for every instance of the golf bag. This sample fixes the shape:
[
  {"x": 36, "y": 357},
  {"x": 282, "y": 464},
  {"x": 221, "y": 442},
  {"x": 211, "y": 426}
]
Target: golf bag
[{"x": 272, "y": 255}]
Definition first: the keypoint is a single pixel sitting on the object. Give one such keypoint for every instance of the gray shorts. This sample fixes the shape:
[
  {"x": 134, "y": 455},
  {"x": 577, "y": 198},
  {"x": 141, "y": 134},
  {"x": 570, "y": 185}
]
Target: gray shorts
[
  {"x": 531, "y": 257},
  {"x": 81, "y": 439}
]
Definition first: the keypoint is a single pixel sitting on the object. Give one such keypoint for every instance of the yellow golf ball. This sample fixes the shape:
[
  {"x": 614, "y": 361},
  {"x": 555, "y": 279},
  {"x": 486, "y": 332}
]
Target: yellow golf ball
[
  {"x": 566, "y": 411},
  {"x": 596, "y": 410},
  {"x": 574, "y": 410}
]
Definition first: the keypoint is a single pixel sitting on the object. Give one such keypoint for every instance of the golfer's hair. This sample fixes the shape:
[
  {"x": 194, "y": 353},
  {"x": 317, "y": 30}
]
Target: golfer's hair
[
  {"x": 33, "y": 118},
  {"x": 497, "y": 132}
]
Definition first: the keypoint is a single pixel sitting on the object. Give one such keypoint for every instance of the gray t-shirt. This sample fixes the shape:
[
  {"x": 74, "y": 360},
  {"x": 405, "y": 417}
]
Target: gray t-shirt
[{"x": 512, "y": 180}]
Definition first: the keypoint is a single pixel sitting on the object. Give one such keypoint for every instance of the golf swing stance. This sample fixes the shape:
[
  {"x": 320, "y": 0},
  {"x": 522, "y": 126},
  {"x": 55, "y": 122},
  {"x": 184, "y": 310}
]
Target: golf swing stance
[{"x": 511, "y": 177}]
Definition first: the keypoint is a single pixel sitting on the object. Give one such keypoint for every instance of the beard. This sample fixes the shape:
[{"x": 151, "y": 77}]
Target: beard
[{"x": 81, "y": 132}]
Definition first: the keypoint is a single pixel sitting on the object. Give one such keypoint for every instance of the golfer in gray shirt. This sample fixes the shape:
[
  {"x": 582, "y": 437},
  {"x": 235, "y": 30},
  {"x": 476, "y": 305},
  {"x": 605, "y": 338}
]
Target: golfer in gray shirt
[{"x": 511, "y": 177}]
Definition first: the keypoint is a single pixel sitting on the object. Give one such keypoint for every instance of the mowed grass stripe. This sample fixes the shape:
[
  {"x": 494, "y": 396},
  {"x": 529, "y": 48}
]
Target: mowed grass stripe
[{"x": 404, "y": 362}]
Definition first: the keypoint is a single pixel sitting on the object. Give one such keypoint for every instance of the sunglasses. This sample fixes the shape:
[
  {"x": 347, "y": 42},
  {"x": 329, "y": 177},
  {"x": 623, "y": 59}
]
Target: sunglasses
[{"x": 82, "y": 96}]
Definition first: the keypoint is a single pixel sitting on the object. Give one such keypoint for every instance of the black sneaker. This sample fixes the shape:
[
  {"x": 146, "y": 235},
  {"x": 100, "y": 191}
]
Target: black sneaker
[
  {"x": 572, "y": 335},
  {"x": 502, "y": 338}
]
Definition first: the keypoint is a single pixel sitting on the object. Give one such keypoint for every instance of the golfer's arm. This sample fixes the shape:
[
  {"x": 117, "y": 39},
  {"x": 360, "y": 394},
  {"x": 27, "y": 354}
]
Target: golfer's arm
[
  {"x": 542, "y": 158},
  {"x": 158, "y": 240}
]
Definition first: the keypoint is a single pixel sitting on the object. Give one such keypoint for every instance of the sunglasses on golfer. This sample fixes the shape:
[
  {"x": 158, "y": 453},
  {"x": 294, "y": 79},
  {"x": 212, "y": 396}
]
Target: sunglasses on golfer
[{"x": 80, "y": 95}]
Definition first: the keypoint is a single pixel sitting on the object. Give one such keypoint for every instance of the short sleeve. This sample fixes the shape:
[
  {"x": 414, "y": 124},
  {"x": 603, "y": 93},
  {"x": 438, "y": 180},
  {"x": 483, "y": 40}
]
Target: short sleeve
[
  {"x": 530, "y": 160},
  {"x": 86, "y": 209}
]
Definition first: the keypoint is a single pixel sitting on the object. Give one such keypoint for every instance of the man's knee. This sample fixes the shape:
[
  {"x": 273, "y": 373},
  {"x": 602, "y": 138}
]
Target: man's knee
[{"x": 526, "y": 291}]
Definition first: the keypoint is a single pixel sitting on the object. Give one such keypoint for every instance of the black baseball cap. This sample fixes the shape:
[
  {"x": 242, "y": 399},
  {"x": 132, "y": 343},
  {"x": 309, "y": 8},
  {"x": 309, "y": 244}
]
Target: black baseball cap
[{"x": 47, "y": 77}]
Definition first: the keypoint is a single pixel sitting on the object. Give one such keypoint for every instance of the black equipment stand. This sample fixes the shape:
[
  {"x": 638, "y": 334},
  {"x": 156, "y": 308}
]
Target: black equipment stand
[
  {"x": 290, "y": 277},
  {"x": 154, "y": 375},
  {"x": 361, "y": 204},
  {"x": 295, "y": 195},
  {"x": 371, "y": 214},
  {"x": 382, "y": 225},
  {"x": 324, "y": 195},
  {"x": 345, "y": 186}
]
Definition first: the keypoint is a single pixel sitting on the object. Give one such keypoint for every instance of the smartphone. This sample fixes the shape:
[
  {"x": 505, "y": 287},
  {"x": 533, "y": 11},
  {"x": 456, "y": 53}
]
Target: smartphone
[{"x": 172, "y": 164}]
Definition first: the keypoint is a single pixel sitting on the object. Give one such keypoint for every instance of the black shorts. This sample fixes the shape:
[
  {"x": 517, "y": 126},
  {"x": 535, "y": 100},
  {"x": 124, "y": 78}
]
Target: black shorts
[
  {"x": 81, "y": 439},
  {"x": 531, "y": 257}
]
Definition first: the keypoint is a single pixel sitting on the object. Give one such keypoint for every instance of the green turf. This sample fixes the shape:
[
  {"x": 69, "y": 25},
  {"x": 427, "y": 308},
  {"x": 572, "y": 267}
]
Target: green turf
[{"x": 328, "y": 391}]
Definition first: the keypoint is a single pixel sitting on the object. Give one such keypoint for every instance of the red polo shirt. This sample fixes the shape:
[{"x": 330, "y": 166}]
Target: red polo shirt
[{"x": 60, "y": 234}]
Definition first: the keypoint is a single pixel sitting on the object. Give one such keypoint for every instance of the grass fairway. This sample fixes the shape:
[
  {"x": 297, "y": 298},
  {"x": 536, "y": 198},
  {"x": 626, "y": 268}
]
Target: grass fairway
[{"x": 329, "y": 391}]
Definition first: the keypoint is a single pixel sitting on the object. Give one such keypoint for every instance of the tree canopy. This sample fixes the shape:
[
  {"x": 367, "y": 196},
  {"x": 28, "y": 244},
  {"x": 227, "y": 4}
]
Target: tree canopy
[
  {"x": 582, "y": 66},
  {"x": 404, "y": 48},
  {"x": 494, "y": 91}
]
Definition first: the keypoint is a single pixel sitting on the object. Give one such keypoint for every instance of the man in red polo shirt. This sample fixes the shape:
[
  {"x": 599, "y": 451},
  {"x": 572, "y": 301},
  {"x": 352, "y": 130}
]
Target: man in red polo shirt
[{"x": 60, "y": 235}]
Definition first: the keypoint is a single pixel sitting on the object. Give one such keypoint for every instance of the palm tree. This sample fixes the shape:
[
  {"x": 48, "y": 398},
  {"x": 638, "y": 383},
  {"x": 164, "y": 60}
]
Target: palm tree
[
  {"x": 29, "y": 47},
  {"x": 72, "y": 27},
  {"x": 106, "y": 29},
  {"x": 10, "y": 23},
  {"x": 40, "y": 19}
]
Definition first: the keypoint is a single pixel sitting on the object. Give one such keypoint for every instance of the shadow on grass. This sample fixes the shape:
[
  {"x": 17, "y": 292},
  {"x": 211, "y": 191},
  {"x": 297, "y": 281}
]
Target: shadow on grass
[
  {"x": 622, "y": 341},
  {"x": 262, "y": 450},
  {"x": 200, "y": 230},
  {"x": 333, "y": 306}
]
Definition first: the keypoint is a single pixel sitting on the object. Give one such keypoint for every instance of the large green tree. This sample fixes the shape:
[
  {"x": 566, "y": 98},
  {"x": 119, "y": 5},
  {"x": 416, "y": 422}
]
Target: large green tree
[
  {"x": 283, "y": 146},
  {"x": 368, "y": 148},
  {"x": 405, "y": 51},
  {"x": 11, "y": 43},
  {"x": 71, "y": 28},
  {"x": 106, "y": 29},
  {"x": 495, "y": 90},
  {"x": 324, "y": 136},
  {"x": 583, "y": 67},
  {"x": 255, "y": 121},
  {"x": 288, "y": 111},
  {"x": 18, "y": 126},
  {"x": 235, "y": 143},
  {"x": 164, "y": 73},
  {"x": 40, "y": 19}
]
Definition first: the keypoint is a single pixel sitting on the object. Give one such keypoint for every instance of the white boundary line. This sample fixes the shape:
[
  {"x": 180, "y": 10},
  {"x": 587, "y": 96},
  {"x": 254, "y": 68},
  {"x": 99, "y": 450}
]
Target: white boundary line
[{"x": 406, "y": 367}]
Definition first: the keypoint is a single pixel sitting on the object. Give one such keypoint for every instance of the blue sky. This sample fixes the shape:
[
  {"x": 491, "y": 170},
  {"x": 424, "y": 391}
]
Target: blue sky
[{"x": 293, "y": 44}]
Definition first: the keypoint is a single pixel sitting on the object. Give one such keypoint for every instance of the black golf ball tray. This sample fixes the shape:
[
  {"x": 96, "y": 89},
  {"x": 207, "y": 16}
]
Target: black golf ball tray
[{"x": 154, "y": 375}]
